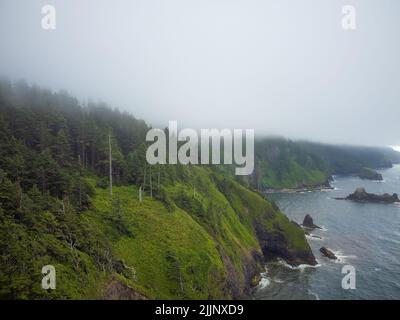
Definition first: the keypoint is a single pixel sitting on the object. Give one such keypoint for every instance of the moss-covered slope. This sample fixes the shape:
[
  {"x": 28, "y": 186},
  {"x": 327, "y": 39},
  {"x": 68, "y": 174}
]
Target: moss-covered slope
[
  {"x": 205, "y": 239},
  {"x": 202, "y": 237}
]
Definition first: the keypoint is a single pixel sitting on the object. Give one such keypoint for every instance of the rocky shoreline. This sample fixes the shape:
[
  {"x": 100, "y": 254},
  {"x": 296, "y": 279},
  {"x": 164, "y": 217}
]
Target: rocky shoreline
[
  {"x": 364, "y": 174},
  {"x": 298, "y": 190}
]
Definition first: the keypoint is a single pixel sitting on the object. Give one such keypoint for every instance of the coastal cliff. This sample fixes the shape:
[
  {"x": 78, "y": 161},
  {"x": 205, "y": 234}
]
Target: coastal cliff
[
  {"x": 165, "y": 232},
  {"x": 286, "y": 165}
]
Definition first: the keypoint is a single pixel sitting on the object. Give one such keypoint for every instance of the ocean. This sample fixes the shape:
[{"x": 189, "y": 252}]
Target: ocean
[{"x": 363, "y": 235}]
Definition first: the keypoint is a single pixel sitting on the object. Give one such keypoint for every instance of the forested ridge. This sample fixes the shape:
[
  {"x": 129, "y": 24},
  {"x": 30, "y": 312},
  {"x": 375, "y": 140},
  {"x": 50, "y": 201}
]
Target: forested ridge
[
  {"x": 282, "y": 163},
  {"x": 197, "y": 233}
]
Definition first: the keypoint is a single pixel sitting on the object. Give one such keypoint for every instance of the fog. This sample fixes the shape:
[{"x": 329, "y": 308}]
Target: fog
[{"x": 284, "y": 67}]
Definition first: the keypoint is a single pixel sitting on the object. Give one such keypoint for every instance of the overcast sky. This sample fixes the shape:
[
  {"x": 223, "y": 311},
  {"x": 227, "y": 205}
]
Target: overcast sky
[{"x": 282, "y": 67}]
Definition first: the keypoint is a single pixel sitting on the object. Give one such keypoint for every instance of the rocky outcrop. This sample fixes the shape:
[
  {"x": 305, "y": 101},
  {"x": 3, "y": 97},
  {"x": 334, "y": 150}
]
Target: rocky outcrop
[
  {"x": 277, "y": 238},
  {"x": 252, "y": 266},
  {"x": 308, "y": 223},
  {"x": 255, "y": 280},
  {"x": 275, "y": 245},
  {"x": 328, "y": 253},
  {"x": 369, "y": 174},
  {"x": 361, "y": 195}
]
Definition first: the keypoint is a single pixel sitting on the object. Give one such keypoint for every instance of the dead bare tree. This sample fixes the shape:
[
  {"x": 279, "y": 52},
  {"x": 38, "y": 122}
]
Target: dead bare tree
[
  {"x": 151, "y": 186},
  {"x": 140, "y": 194},
  {"x": 110, "y": 161}
]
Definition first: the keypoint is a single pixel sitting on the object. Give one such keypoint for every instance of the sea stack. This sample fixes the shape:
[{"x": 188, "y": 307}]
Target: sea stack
[
  {"x": 308, "y": 223},
  {"x": 328, "y": 253},
  {"x": 361, "y": 195}
]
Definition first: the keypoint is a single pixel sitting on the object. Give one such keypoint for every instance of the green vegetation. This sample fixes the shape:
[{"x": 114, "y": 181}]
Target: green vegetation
[
  {"x": 286, "y": 164},
  {"x": 197, "y": 234},
  {"x": 282, "y": 163}
]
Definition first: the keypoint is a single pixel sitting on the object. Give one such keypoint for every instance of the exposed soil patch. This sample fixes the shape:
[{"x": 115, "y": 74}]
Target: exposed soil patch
[{"x": 116, "y": 290}]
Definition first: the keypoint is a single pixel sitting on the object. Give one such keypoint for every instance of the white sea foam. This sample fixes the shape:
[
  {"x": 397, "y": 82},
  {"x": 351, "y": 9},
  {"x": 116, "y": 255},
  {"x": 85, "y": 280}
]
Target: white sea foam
[
  {"x": 300, "y": 267},
  {"x": 342, "y": 258},
  {"x": 315, "y": 238},
  {"x": 277, "y": 280},
  {"x": 264, "y": 282}
]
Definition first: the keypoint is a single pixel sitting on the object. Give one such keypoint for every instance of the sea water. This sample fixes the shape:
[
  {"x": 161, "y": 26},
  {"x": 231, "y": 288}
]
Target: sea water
[{"x": 363, "y": 235}]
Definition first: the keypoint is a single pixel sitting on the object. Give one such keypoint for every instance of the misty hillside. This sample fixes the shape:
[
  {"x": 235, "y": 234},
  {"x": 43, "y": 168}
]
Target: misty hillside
[
  {"x": 282, "y": 163},
  {"x": 197, "y": 233}
]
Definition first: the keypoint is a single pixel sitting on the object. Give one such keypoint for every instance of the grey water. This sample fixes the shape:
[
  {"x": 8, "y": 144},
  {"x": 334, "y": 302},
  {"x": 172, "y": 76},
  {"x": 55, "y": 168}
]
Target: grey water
[{"x": 363, "y": 235}]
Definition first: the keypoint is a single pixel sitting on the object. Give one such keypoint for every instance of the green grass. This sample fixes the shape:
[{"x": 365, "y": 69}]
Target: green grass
[
  {"x": 181, "y": 243},
  {"x": 293, "y": 176},
  {"x": 165, "y": 248},
  {"x": 195, "y": 239}
]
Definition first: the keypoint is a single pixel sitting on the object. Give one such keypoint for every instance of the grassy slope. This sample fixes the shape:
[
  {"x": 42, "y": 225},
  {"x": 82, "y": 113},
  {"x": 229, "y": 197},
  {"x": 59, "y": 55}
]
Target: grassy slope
[
  {"x": 160, "y": 242},
  {"x": 187, "y": 246},
  {"x": 294, "y": 176},
  {"x": 195, "y": 239}
]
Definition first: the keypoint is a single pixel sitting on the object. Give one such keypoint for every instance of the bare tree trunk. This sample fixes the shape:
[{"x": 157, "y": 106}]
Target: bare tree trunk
[
  {"x": 158, "y": 182},
  {"x": 181, "y": 280},
  {"x": 110, "y": 160},
  {"x": 62, "y": 207},
  {"x": 83, "y": 153},
  {"x": 151, "y": 187},
  {"x": 20, "y": 194},
  {"x": 92, "y": 145},
  {"x": 80, "y": 193}
]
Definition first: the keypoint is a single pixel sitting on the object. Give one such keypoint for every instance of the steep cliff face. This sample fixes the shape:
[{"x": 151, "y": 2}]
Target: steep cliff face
[
  {"x": 276, "y": 244},
  {"x": 276, "y": 237},
  {"x": 206, "y": 241}
]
